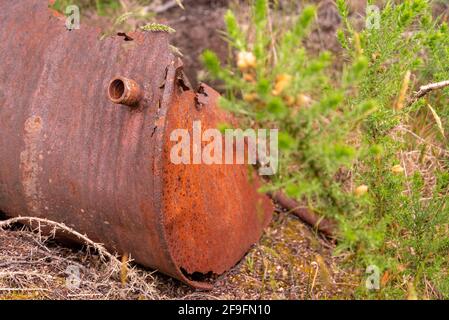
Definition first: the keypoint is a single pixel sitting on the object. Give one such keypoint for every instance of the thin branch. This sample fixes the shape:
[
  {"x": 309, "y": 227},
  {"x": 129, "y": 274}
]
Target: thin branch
[
  {"x": 24, "y": 289},
  {"x": 99, "y": 247},
  {"x": 163, "y": 7},
  {"x": 424, "y": 90},
  {"x": 141, "y": 283},
  {"x": 323, "y": 225},
  {"x": 417, "y": 137},
  {"x": 273, "y": 40}
]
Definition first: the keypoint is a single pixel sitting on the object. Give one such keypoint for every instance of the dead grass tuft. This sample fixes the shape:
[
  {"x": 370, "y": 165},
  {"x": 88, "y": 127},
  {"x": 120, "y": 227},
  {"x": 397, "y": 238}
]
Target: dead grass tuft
[{"x": 33, "y": 266}]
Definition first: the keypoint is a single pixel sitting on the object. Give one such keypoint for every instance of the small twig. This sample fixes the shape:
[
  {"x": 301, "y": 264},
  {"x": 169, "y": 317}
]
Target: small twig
[
  {"x": 23, "y": 273},
  {"x": 443, "y": 151},
  {"x": 327, "y": 227},
  {"x": 24, "y": 289},
  {"x": 104, "y": 284},
  {"x": 9, "y": 263},
  {"x": 314, "y": 277},
  {"x": 273, "y": 40},
  {"x": 85, "y": 295},
  {"x": 163, "y": 7},
  {"x": 138, "y": 282},
  {"x": 99, "y": 247},
  {"x": 424, "y": 90},
  {"x": 55, "y": 257}
]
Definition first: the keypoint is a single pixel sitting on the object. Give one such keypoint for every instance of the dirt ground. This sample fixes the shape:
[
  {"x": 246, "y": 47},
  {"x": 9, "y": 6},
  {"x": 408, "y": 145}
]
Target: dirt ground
[{"x": 197, "y": 28}]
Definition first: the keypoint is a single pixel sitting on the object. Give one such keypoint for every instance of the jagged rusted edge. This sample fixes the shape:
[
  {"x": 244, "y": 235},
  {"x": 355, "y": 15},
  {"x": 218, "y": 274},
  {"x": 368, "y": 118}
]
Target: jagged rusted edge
[{"x": 173, "y": 71}]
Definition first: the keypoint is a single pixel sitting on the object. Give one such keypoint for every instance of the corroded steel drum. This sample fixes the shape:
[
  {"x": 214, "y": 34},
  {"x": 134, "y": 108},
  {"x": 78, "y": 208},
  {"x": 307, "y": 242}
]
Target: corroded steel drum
[{"x": 85, "y": 140}]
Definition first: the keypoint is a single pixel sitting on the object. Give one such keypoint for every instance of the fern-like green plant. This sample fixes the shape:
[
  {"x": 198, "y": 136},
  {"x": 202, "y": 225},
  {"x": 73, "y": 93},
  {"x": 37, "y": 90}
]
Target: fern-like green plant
[{"x": 157, "y": 27}]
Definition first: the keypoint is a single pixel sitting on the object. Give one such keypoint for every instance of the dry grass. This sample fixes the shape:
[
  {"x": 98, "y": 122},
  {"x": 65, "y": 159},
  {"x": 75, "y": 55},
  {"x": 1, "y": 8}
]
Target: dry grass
[
  {"x": 290, "y": 262},
  {"x": 424, "y": 156},
  {"x": 33, "y": 266}
]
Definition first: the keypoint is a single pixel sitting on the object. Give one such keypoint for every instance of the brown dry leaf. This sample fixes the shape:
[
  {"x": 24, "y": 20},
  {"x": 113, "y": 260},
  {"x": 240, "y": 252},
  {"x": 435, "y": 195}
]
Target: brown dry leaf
[
  {"x": 411, "y": 292},
  {"x": 401, "y": 268},
  {"x": 403, "y": 93},
  {"x": 282, "y": 82},
  {"x": 124, "y": 269},
  {"x": 325, "y": 274},
  {"x": 437, "y": 120},
  {"x": 179, "y": 2},
  {"x": 385, "y": 278},
  {"x": 249, "y": 77}
]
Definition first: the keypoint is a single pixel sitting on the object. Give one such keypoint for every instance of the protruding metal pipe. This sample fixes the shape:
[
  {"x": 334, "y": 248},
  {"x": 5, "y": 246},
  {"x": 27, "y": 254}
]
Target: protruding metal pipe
[{"x": 124, "y": 91}]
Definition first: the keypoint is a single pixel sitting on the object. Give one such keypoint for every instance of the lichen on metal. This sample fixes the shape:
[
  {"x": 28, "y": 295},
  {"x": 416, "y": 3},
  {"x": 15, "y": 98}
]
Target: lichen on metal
[{"x": 84, "y": 140}]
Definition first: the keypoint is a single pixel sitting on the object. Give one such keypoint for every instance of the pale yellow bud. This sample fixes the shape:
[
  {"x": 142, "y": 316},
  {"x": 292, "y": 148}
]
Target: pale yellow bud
[
  {"x": 248, "y": 77},
  {"x": 246, "y": 60},
  {"x": 282, "y": 82},
  {"x": 250, "y": 97},
  {"x": 397, "y": 169},
  {"x": 289, "y": 100},
  {"x": 361, "y": 190},
  {"x": 303, "y": 100},
  {"x": 404, "y": 89}
]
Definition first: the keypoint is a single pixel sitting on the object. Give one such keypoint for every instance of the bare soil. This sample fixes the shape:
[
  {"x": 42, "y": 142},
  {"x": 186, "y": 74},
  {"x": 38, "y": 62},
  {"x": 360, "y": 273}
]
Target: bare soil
[{"x": 197, "y": 28}]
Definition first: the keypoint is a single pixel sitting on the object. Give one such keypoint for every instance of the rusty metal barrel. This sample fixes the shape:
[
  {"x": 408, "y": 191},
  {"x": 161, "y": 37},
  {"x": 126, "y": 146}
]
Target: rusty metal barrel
[{"x": 85, "y": 140}]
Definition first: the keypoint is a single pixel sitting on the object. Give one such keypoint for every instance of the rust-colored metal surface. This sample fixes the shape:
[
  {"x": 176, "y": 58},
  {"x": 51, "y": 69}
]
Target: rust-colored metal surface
[{"x": 84, "y": 140}]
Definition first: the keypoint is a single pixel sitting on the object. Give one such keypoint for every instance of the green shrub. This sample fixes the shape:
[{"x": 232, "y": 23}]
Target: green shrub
[
  {"x": 347, "y": 137},
  {"x": 102, "y": 7}
]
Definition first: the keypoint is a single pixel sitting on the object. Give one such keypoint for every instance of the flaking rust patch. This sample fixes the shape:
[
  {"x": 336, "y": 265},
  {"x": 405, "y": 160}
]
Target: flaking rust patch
[{"x": 29, "y": 163}]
